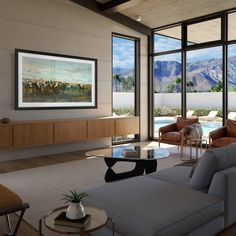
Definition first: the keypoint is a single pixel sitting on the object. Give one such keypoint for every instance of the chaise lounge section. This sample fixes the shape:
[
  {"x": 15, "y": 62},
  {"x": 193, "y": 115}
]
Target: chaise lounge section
[{"x": 169, "y": 202}]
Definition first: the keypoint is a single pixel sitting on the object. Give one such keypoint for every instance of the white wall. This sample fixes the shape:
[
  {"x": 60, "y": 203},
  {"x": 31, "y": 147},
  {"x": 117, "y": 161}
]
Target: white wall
[
  {"x": 123, "y": 100},
  {"x": 60, "y": 26},
  {"x": 194, "y": 100}
]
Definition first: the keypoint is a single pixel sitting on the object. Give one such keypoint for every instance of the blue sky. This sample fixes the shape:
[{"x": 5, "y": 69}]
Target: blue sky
[
  {"x": 166, "y": 44},
  {"x": 123, "y": 53}
]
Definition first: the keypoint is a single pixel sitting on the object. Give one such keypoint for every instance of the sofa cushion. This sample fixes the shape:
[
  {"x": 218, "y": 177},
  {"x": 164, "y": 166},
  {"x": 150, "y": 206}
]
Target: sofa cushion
[
  {"x": 176, "y": 175},
  {"x": 212, "y": 161},
  {"x": 225, "y": 156},
  {"x": 204, "y": 171},
  {"x": 231, "y": 128},
  {"x": 172, "y": 136},
  {"x": 221, "y": 142},
  {"x": 145, "y": 206},
  {"x": 183, "y": 122}
]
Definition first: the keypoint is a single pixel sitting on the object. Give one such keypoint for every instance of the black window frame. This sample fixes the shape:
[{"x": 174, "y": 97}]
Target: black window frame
[
  {"x": 223, "y": 15},
  {"x": 137, "y": 81}
]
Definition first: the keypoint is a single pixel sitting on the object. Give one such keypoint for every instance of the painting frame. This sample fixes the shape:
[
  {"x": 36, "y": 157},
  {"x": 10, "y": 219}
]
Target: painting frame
[{"x": 26, "y": 99}]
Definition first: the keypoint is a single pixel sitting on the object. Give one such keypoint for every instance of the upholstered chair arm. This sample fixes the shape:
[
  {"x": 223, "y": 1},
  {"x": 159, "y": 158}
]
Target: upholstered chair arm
[
  {"x": 168, "y": 128},
  {"x": 218, "y": 133}
]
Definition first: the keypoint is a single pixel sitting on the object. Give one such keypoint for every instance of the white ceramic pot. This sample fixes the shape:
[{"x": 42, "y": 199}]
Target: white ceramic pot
[{"x": 75, "y": 211}]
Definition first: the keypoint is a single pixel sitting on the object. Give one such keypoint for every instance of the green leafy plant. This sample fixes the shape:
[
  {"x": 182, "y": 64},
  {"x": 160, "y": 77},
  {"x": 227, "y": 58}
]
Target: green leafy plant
[{"x": 74, "y": 197}]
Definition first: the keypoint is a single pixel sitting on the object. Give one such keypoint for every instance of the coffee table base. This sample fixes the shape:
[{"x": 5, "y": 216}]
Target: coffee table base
[{"x": 141, "y": 167}]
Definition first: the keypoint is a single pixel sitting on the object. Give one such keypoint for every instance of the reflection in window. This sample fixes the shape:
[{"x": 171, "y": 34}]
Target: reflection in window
[
  {"x": 203, "y": 32},
  {"x": 167, "y": 39},
  {"x": 232, "y": 26}
]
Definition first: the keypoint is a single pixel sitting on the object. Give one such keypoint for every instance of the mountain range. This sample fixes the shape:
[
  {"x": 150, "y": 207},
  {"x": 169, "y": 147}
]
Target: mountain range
[{"x": 203, "y": 74}]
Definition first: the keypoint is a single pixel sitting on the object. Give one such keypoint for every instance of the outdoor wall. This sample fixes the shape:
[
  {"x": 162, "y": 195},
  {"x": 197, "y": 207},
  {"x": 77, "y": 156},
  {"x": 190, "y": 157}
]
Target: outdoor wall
[
  {"x": 123, "y": 100},
  {"x": 194, "y": 100},
  {"x": 60, "y": 26}
]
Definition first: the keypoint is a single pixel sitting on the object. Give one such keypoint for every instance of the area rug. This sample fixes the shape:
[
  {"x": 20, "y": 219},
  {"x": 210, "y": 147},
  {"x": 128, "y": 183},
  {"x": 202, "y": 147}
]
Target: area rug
[{"x": 43, "y": 187}]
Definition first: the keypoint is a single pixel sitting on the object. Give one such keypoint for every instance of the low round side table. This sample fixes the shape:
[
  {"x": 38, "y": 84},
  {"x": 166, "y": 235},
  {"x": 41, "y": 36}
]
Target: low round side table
[{"x": 98, "y": 219}]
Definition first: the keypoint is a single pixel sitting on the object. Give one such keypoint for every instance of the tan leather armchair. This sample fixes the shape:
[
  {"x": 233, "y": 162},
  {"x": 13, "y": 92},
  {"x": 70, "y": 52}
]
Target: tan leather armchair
[
  {"x": 175, "y": 133},
  {"x": 10, "y": 202},
  {"x": 224, "y": 135}
]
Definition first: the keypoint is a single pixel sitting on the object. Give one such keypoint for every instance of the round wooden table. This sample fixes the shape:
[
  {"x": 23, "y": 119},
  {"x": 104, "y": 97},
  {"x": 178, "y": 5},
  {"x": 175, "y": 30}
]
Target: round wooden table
[{"x": 98, "y": 219}]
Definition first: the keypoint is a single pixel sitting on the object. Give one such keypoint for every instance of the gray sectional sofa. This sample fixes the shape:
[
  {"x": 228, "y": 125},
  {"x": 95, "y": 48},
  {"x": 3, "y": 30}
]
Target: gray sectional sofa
[{"x": 170, "y": 203}]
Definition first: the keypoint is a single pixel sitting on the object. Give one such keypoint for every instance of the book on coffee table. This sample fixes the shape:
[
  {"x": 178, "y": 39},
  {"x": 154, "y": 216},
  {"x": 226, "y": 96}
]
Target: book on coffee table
[
  {"x": 62, "y": 220},
  {"x": 130, "y": 153}
]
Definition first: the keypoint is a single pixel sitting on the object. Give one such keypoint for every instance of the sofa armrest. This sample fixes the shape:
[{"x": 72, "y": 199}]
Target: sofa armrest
[
  {"x": 168, "y": 128},
  {"x": 223, "y": 186}
]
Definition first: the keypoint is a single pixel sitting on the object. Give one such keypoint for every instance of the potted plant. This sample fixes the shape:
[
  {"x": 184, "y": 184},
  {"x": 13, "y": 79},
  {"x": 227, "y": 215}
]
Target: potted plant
[{"x": 75, "y": 209}]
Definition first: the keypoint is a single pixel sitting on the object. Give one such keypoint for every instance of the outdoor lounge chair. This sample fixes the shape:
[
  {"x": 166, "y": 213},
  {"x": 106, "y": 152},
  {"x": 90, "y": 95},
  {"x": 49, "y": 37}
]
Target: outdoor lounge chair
[
  {"x": 232, "y": 115},
  {"x": 189, "y": 114},
  {"x": 211, "y": 116}
]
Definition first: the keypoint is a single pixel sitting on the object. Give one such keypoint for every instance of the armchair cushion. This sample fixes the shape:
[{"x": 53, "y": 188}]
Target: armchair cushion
[
  {"x": 231, "y": 128},
  {"x": 172, "y": 136},
  {"x": 183, "y": 122}
]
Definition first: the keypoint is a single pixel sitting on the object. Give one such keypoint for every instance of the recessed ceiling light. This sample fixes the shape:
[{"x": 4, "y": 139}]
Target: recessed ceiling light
[{"x": 138, "y": 18}]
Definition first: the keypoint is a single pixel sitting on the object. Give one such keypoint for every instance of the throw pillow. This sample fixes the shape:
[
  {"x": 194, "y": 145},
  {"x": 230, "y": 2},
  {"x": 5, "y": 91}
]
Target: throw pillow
[
  {"x": 225, "y": 156},
  {"x": 204, "y": 171}
]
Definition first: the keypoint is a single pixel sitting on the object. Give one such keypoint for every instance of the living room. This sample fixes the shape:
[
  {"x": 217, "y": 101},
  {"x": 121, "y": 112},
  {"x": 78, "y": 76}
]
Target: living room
[{"x": 43, "y": 144}]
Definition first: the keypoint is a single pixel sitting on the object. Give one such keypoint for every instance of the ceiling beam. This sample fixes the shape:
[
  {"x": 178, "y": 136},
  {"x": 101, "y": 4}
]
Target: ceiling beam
[
  {"x": 119, "y": 5},
  {"x": 118, "y": 17},
  {"x": 90, "y": 4}
]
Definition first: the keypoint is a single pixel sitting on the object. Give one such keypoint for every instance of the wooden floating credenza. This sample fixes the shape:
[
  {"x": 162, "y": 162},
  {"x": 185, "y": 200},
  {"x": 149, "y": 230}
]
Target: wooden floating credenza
[{"x": 45, "y": 132}]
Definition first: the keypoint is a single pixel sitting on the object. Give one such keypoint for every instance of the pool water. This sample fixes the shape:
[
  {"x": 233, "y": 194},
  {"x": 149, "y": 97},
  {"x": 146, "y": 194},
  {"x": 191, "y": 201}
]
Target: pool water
[{"x": 206, "y": 126}]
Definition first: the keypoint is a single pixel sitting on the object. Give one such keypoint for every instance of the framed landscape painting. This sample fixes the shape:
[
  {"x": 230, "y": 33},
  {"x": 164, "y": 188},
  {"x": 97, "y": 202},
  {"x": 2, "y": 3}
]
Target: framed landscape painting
[{"x": 54, "y": 81}]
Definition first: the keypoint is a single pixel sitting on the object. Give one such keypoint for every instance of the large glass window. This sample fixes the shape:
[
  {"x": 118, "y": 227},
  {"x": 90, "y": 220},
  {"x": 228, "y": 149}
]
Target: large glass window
[
  {"x": 232, "y": 26},
  {"x": 167, "y": 89},
  {"x": 232, "y": 81},
  {"x": 167, "y": 39},
  {"x": 204, "y": 81},
  {"x": 204, "y": 86},
  {"x": 124, "y": 77},
  {"x": 203, "y": 32}
]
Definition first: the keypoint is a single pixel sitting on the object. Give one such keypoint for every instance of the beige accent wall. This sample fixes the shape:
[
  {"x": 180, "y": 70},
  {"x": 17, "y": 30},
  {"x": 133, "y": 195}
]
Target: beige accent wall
[{"x": 60, "y": 26}]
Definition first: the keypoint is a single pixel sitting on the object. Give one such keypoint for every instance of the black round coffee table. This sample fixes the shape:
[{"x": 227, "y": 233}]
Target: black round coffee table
[{"x": 145, "y": 158}]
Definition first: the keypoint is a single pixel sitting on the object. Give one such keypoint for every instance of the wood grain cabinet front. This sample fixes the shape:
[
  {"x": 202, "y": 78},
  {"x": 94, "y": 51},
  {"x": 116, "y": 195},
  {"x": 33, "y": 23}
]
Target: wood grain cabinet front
[
  {"x": 101, "y": 128},
  {"x": 127, "y": 125},
  {"x": 70, "y": 131},
  {"x": 33, "y": 134},
  {"x": 6, "y": 135}
]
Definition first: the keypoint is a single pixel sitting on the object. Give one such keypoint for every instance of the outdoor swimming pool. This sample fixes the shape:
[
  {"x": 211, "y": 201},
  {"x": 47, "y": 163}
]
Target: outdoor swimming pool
[{"x": 207, "y": 126}]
